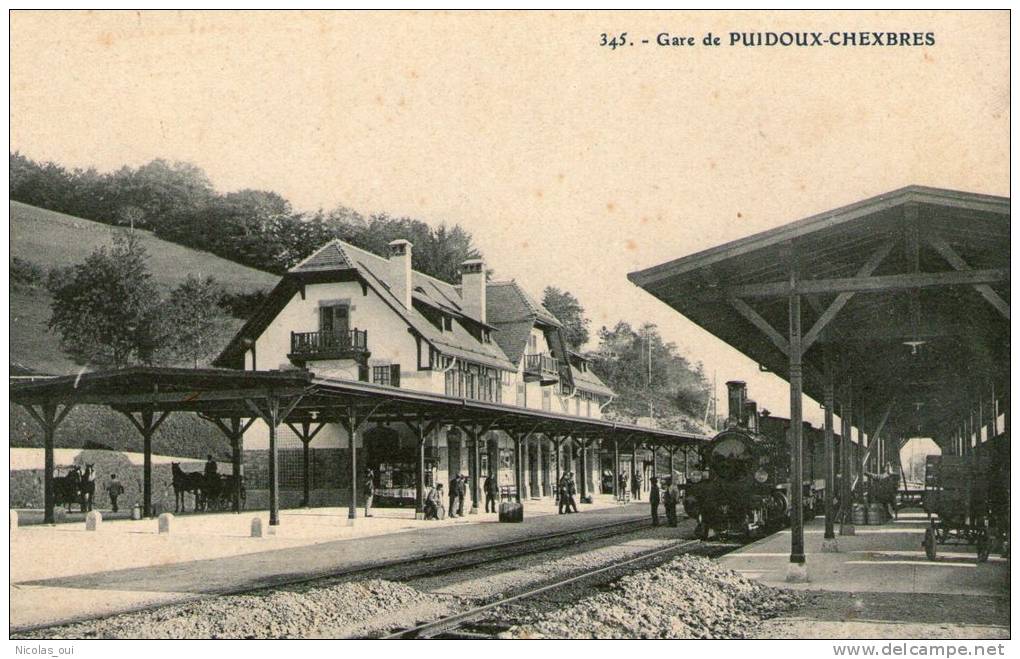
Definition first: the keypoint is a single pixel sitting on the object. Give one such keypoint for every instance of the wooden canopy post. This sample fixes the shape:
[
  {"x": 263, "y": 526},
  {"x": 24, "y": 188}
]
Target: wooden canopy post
[
  {"x": 829, "y": 540},
  {"x": 306, "y": 434},
  {"x": 518, "y": 473},
  {"x": 422, "y": 431},
  {"x": 584, "y": 470},
  {"x": 473, "y": 466},
  {"x": 616, "y": 468},
  {"x": 273, "y": 411},
  {"x": 556, "y": 440},
  {"x": 633, "y": 463},
  {"x": 147, "y": 423},
  {"x": 797, "y": 567},
  {"x": 235, "y": 434},
  {"x": 846, "y": 524},
  {"x": 49, "y": 416},
  {"x": 352, "y": 423}
]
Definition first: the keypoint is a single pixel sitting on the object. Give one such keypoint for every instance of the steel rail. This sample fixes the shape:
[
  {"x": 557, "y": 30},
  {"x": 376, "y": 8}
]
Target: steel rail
[
  {"x": 619, "y": 527},
  {"x": 449, "y": 623}
]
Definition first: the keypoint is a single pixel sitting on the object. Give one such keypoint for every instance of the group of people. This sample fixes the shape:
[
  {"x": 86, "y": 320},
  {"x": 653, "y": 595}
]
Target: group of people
[
  {"x": 565, "y": 491},
  {"x": 669, "y": 496},
  {"x": 624, "y": 483},
  {"x": 433, "y": 506}
]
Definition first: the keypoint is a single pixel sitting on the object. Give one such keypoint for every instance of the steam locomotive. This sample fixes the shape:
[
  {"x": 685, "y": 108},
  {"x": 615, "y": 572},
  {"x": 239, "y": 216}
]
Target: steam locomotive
[{"x": 742, "y": 487}]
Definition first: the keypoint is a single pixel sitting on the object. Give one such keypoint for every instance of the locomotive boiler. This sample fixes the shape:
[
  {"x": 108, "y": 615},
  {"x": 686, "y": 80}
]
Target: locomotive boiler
[{"x": 742, "y": 487}]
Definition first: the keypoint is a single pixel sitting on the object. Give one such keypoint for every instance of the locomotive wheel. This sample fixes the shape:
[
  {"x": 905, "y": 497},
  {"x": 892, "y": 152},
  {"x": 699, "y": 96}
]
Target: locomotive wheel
[{"x": 929, "y": 543}]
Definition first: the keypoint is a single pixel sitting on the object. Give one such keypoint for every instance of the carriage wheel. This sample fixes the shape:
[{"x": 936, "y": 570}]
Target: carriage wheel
[
  {"x": 701, "y": 532},
  {"x": 929, "y": 543},
  {"x": 982, "y": 548}
]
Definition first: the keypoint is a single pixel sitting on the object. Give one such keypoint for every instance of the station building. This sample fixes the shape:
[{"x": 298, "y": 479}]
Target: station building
[{"x": 348, "y": 314}]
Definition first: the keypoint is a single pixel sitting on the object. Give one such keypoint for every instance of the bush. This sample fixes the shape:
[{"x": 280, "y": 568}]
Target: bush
[{"x": 26, "y": 273}]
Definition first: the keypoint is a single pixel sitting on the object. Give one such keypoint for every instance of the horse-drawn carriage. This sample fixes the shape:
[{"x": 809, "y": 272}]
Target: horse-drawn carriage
[
  {"x": 211, "y": 491},
  {"x": 957, "y": 503},
  {"x": 78, "y": 486}
]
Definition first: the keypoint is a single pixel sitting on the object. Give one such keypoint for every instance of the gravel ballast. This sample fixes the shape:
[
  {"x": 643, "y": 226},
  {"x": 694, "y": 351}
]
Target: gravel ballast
[
  {"x": 336, "y": 611},
  {"x": 689, "y": 597}
]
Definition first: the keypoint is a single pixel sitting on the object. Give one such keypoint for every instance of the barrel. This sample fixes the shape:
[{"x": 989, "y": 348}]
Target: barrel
[
  {"x": 511, "y": 511},
  {"x": 860, "y": 514},
  {"x": 876, "y": 513}
]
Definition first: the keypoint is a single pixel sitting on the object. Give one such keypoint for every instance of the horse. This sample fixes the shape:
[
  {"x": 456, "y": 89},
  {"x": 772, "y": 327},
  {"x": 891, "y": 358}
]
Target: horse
[
  {"x": 67, "y": 489},
  {"x": 224, "y": 496},
  {"x": 88, "y": 488},
  {"x": 186, "y": 481}
]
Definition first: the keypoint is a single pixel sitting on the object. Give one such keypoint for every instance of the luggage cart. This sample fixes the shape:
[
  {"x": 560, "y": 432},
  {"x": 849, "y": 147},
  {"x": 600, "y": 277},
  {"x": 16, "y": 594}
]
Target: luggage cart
[{"x": 956, "y": 501}]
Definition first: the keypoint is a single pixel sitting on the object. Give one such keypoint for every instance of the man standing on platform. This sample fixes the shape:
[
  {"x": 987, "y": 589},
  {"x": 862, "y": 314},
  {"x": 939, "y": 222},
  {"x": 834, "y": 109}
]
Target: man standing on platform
[
  {"x": 571, "y": 491},
  {"x": 653, "y": 498},
  {"x": 491, "y": 493},
  {"x": 671, "y": 498},
  {"x": 454, "y": 496},
  {"x": 369, "y": 491}
]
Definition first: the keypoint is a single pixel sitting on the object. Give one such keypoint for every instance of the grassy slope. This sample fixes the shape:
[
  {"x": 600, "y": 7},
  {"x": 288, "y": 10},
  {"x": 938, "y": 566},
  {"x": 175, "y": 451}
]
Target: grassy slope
[{"x": 51, "y": 239}]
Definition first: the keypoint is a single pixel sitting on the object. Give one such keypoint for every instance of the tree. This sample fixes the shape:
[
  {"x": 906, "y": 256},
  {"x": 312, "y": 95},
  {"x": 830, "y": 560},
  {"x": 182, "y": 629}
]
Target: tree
[
  {"x": 167, "y": 193},
  {"x": 569, "y": 311},
  {"x": 643, "y": 369},
  {"x": 105, "y": 307},
  {"x": 190, "y": 321}
]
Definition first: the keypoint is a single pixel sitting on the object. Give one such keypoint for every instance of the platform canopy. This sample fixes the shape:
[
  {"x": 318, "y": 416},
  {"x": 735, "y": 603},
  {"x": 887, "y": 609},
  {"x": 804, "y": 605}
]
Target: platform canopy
[
  {"x": 225, "y": 393},
  {"x": 234, "y": 399},
  {"x": 905, "y": 296}
]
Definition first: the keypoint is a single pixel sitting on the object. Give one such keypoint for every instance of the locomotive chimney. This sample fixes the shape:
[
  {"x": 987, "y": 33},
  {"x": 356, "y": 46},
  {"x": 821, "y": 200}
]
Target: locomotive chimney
[
  {"x": 737, "y": 396},
  {"x": 751, "y": 414}
]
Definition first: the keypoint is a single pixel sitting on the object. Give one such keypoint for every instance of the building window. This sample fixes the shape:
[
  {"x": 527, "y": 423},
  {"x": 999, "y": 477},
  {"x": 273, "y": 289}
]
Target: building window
[
  {"x": 533, "y": 343},
  {"x": 577, "y": 406},
  {"x": 546, "y": 399},
  {"x": 388, "y": 375},
  {"x": 447, "y": 324}
]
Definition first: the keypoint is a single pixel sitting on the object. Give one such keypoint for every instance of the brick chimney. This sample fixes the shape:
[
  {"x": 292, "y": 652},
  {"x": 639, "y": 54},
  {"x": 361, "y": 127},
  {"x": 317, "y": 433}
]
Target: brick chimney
[
  {"x": 472, "y": 288},
  {"x": 400, "y": 255}
]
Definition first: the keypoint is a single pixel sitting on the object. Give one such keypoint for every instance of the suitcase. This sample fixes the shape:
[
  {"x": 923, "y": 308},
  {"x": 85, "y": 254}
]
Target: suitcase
[{"x": 511, "y": 511}]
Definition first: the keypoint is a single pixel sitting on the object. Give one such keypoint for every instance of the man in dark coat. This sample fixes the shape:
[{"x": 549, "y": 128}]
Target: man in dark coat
[
  {"x": 670, "y": 498},
  {"x": 491, "y": 488},
  {"x": 571, "y": 491},
  {"x": 653, "y": 498},
  {"x": 454, "y": 496}
]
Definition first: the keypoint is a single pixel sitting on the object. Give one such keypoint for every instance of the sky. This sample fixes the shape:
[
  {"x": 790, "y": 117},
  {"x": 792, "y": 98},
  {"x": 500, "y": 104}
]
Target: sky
[{"x": 571, "y": 163}]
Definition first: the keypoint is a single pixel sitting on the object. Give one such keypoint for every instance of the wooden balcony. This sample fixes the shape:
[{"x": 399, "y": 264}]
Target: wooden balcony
[
  {"x": 311, "y": 346},
  {"x": 542, "y": 368}
]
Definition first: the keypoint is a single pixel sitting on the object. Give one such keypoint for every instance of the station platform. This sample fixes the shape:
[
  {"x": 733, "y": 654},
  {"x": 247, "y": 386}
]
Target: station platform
[
  {"x": 127, "y": 565},
  {"x": 880, "y": 584}
]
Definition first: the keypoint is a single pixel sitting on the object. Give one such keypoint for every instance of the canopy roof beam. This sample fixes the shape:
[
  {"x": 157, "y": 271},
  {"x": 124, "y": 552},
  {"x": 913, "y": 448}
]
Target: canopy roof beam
[{"x": 993, "y": 298}]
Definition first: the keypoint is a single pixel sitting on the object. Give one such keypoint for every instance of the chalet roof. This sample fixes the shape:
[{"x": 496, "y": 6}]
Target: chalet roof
[
  {"x": 337, "y": 261},
  {"x": 511, "y": 309}
]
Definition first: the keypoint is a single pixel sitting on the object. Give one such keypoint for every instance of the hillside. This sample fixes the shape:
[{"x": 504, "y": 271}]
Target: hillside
[{"x": 50, "y": 239}]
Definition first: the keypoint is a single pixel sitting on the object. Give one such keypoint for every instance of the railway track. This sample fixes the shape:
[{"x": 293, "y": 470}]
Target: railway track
[
  {"x": 479, "y": 623},
  {"x": 406, "y": 569}
]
